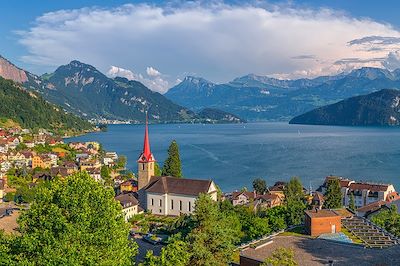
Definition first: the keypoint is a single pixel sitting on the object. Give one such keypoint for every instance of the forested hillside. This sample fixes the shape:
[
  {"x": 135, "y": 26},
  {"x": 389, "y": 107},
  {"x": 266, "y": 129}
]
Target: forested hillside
[{"x": 30, "y": 110}]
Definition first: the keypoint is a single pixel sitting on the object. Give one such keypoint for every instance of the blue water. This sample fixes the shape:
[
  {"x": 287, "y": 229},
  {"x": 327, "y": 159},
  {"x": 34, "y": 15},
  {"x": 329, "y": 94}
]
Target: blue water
[{"x": 234, "y": 154}]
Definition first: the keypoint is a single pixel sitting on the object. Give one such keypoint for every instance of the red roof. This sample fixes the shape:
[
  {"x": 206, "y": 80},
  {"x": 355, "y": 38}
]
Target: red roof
[
  {"x": 367, "y": 186},
  {"x": 146, "y": 155}
]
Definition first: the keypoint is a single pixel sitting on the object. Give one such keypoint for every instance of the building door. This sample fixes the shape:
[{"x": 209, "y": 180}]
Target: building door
[{"x": 333, "y": 228}]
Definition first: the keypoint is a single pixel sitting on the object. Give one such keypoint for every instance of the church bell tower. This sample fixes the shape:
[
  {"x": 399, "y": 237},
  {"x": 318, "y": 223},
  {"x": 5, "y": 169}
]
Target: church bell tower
[{"x": 146, "y": 160}]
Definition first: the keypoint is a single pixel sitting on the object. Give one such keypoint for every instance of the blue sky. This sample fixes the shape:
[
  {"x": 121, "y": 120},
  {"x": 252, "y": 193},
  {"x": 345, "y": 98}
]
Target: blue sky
[{"x": 216, "y": 40}]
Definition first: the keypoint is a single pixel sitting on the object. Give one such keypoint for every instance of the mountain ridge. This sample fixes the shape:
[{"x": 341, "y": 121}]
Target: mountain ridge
[
  {"x": 254, "y": 97},
  {"x": 381, "y": 108}
]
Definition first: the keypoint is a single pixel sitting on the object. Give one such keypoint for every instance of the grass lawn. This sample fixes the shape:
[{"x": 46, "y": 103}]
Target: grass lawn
[
  {"x": 353, "y": 238},
  {"x": 297, "y": 231}
]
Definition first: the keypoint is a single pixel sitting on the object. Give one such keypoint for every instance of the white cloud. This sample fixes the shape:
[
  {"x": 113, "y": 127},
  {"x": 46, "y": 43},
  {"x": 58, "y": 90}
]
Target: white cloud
[
  {"x": 154, "y": 82},
  {"x": 217, "y": 41},
  {"x": 120, "y": 72},
  {"x": 392, "y": 61},
  {"x": 152, "y": 72}
]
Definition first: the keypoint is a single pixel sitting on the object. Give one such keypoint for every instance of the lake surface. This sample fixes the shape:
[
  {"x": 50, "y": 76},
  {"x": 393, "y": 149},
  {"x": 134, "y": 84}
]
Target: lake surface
[{"x": 234, "y": 154}]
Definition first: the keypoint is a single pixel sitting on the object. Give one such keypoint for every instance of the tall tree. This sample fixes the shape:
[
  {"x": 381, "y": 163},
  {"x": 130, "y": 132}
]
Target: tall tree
[
  {"x": 294, "y": 199},
  {"x": 333, "y": 195},
  {"x": 352, "y": 204},
  {"x": 75, "y": 221},
  {"x": 172, "y": 166},
  {"x": 260, "y": 186},
  {"x": 211, "y": 241}
]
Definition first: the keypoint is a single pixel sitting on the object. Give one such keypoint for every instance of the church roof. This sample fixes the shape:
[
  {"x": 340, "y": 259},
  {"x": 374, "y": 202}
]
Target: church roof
[
  {"x": 175, "y": 185},
  {"x": 146, "y": 155}
]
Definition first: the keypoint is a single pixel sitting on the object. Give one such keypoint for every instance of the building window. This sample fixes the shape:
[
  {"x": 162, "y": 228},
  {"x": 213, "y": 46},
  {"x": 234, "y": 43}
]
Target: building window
[
  {"x": 190, "y": 206},
  {"x": 180, "y": 205},
  {"x": 143, "y": 166},
  {"x": 152, "y": 202},
  {"x": 160, "y": 203},
  {"x": 172, "y": 204}
]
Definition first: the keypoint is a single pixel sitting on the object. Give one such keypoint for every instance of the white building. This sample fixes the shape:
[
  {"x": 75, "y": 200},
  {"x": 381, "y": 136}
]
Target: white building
[
  {"x": 130, "y": 205},
  {"x": 166, "y": 195},
  {"x": 364, "y": 192}
]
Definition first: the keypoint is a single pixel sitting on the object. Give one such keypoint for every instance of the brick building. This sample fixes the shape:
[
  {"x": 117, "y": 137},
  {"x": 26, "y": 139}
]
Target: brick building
[{"x": 323, "y": 221}]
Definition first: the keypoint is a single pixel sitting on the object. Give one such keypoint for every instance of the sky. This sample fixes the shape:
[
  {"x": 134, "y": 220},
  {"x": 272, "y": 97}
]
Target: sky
[{"x": 161, "y": 42}]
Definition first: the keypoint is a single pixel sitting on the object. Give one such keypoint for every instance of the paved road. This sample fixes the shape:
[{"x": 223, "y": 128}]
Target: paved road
[{"x": 144, "y": 247}]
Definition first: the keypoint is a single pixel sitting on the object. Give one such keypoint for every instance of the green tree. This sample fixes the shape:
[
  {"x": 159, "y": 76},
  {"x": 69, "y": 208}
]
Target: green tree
[
  {"x": 260, "y": 186},
  {"x": 276, "y": 217},
  {"x": 176, "y": 253},
  {"x": 75, "y": 221},
  {"x": 294, "y": 199},
  {"x": 333, "y": 195},
  {"x": 172, "y": 166},
  {"x": 157, "y": 170},
  {"x": 281, "y": 257},
  {"x": 211, "y": 242},
  {"x": 389, "y": 219},
  {"x": 352, "y": 205}
]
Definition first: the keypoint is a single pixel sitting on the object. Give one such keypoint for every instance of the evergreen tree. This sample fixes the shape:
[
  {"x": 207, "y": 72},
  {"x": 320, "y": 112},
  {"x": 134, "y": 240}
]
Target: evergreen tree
[
  {"x": 294, "y": 199},
  {"x": 260, "y": 186},
  {"x": 172, "y": 166},
  {"x": 333, "y": 195},
  {"x": 352, "y": 205}
]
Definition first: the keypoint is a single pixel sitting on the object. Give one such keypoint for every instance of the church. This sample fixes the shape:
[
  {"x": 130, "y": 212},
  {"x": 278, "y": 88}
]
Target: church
[{"x": 167, "y": 195}]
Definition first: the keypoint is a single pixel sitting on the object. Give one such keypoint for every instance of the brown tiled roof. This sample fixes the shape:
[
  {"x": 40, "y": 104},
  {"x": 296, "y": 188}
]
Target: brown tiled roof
[
  {"x": 321, "y": 213},
  {"x": 125, "y": 199},
  {"x": 269, "y": 197},
  {"x": 372, "y": 206},
  {"x": 183, "y": 186},
  {"x": 54, "y": 171},
  {"x": 368, "y": 186}
]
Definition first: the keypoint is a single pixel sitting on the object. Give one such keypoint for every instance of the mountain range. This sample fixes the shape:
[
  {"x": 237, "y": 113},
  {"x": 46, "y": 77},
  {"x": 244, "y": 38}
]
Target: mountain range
[
  {"x": 81, "y": 89},
  {"x": 381, "y": 108},
  {"x": 255, "y": 97}
]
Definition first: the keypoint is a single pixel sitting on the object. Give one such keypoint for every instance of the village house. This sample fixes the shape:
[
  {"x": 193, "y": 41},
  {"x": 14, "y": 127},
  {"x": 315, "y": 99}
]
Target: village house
[
  {"x": 3, "y": 146},
  {"x": 43, "y": 161},
  {"x": 95, "y": 173},
  {"x": 70, "y": 166},
  {"x": 243, "y": 197},
  {"x": 85, "y": 164},
  {"x": 130, "y": 205},
  {"x": 364, "y": 192},
  {"x": 130, "y": 185},
  {"x": 167, "y": 195},
  {"x": 59, "y": 171},
  {"x": 269, "y": 200}
]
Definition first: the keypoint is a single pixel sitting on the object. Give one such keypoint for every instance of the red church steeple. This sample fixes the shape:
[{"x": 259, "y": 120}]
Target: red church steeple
[{"x": 146, "y": 155}]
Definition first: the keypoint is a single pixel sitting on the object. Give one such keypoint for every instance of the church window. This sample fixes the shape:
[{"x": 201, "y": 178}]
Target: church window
[
  {"x": 190, "y": 206},
  {"x": 180, "y": 205},
  {"x": 172, "y": 204}
]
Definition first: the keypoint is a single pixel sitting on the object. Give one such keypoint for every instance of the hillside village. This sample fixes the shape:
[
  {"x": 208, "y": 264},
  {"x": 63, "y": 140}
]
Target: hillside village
[{"x": 153, "y": 203}]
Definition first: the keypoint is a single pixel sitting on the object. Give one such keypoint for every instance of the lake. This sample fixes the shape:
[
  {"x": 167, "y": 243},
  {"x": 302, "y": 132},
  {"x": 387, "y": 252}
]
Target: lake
[{"x": 234, "y": 154}]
